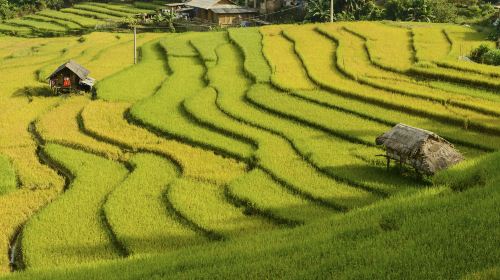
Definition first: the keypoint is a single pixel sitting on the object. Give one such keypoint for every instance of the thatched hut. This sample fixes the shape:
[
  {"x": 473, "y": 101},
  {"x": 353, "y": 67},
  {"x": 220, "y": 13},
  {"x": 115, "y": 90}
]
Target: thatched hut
[{"x": 423, "y": 150}]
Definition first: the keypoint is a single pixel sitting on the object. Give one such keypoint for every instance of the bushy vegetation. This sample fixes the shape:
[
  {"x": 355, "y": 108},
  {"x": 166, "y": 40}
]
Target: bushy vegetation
[
  {"x": 486, "y": 55},
  {"x": 401, "y": 10},
  {"x": 262, "y": 138}
]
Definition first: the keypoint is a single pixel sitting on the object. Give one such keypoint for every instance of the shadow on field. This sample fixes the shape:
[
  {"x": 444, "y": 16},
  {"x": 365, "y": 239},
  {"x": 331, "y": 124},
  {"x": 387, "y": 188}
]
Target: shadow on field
[
  {"x": 29, "y": 92},
  {"x": 391, "y": 180}
]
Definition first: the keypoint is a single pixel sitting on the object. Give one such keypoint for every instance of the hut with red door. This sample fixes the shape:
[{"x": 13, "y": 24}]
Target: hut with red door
[{"x": 70, "y": 77}]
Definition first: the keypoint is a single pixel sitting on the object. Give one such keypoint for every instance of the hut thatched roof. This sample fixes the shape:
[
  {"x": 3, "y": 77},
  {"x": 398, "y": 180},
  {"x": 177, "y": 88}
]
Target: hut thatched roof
[
  {"x": 74, "y": 67},
  {"x": 425, "y": 150}
]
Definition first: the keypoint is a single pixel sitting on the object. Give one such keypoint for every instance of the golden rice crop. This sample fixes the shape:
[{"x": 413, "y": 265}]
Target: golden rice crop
[
  {"x": 260, "y": 191},
  {"x": 395, "y": 54},
  {"x": 106, "y": 120},
  {"x": 71, "y": 230},
  {"x": 287, "y": 70},
  {"x": 204, "y": 204},
  {"x": 230, "y": 100},
  {"x": 186, "y": 80},
  {"x": 63, "y": 23},
  {"x": 61, "y": 125},
  {"x": 137, "y": 210},
  {"x": 249, "y": 40}
]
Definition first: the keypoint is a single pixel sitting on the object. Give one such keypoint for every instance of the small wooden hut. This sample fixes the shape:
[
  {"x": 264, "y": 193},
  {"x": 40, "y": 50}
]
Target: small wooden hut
[
  {"x": 423, "y": 150},
  {"x": 222, "y": 12},
  {"x": 71, "y": 77}
]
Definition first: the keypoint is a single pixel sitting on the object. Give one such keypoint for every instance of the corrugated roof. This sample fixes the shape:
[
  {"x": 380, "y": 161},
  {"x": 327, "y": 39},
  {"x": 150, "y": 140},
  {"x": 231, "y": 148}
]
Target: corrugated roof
[
  {"x": 74, "y": 67},
  {"x": 88, "y": 81},
  {"x": 203, "y": 4},
  {"x": 232, "y": 9},
  {"x": 175, "y": 4}
]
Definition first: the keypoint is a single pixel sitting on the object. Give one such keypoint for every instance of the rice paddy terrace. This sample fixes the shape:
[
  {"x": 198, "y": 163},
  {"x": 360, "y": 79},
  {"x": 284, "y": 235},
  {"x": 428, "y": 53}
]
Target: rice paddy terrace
[{"x": 247, "y": 153}]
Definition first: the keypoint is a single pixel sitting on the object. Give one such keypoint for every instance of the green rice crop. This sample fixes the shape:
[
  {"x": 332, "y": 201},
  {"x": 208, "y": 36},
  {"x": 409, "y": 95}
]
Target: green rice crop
[
  {"x": 106, "y": 120},
  {"x": 230, "y": 100},
  {"x": 206, "y": 206},
  {"x": 98, "y": 9},
  {"x": 186, "y": 80},
  {"x": 90, "y": 14},
  {"x": 333, "y": 80},
  {"x": 37, "y": 25},
  {"x": 395, "y": 54},
  {"x": 137, "y": 211},
  {"x": 125, "y": 85},
  {"x": 206, "y": 45},
  {"x": 392, "y": 117},
  {"x": 14, "y": 28},
  {"x": 16, "y": 208},
  {"x": 180, "y": 45},
  {"x": 63, "y": 23},
  {"x": 249, "y": 40},
  {"x": 260, "y": 191},
  {"x": 403, "y": 229},
  {"x": 348, "y": 161},
  {"x": 365, "y": 72},
  {"x": 61, "y": 125},
  {"x": 147, "y": 5},
  {"x": 18, "y": 145},
  {"x": 8, "y": 181},
  {"x": 444, "y": 47},
  {"x": 121, "y": 7},
  {"x": 430, "y": 44},
  {"x": 82, "y": 52},
  {"x": 71, "y": 230},
  {"x": 199, "y": 144},
  {"x": 286, "y": 68},
  {"x": 80, "y": 20}
]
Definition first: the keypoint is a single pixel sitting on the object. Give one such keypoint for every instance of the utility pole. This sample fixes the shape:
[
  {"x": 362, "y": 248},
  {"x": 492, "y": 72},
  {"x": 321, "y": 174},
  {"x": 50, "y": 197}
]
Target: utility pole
[
  {"x": 331, "y": 10},
  {"x": 135, "y": 45}
]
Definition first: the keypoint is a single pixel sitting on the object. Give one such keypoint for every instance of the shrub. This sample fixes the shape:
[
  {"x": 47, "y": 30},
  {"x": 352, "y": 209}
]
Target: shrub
[
  {"x": 477, "y": 54},
  {"x": 492, "y": 57},
  {"x": 486, "y": 55},
  {"x": 421, "y": 10}
]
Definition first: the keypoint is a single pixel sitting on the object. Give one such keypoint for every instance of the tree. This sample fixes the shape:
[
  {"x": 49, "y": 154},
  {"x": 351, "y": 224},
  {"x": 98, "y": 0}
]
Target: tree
[
  {"x": 318, "y": 10},
  {"x": 6, "y": 10}
]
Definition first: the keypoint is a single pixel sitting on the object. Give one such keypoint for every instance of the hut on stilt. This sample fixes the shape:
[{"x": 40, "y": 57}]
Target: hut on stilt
[
  {"x": 71, "y": 77},
  {"x": 425, "y": 151}
]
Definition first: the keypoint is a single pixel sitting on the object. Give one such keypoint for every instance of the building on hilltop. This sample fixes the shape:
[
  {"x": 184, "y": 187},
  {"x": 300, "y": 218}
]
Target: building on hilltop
[
  {"x": 423, "y": 150},
  {"x": 221, "y": 12},
  {"x": 71, "y": 77}
]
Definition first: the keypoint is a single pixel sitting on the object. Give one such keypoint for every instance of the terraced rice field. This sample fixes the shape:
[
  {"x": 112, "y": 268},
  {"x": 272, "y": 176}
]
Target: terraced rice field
[
  {"x": 79, "y": 19},
  {"x": 244, "y": 153}
]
